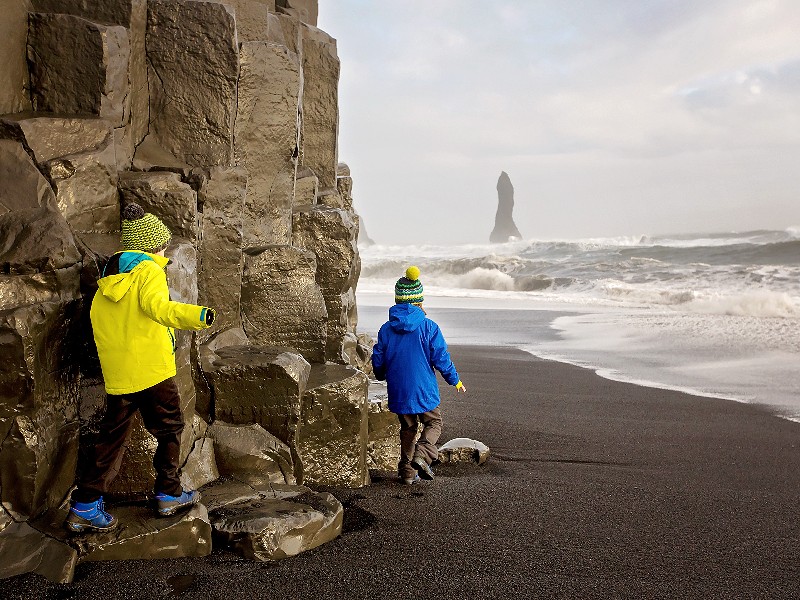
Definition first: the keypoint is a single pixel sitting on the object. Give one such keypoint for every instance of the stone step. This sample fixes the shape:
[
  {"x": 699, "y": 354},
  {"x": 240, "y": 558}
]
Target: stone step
[{"x": 273, "y": 521}]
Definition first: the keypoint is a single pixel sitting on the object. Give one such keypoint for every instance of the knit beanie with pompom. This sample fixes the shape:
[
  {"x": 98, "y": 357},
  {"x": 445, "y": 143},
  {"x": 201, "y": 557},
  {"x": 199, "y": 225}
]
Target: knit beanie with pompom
[
  {"x": 408, "y": 289},
  {"x": 142, "y": 231}
]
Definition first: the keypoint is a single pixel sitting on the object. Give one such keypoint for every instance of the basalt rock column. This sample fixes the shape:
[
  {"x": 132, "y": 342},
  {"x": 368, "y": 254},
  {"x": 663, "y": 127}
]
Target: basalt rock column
[
  {"x": 331, "y": 233},
  {"x": 334, "y": 429},
  {"x": 282, "y": 304},
  {"x": 267, "y": 138},
  {"x": 79, "y": 67},
  {"x": 222, "y": 195},
  {"x": 132, "y": 15},
  {"x": 504, "y": 227},
  {"x": 257, "y": 384},
  {"x": 14, "y": 82},
  {"x": 193, "y": 59},
  {"x": 320, "y": 105}
]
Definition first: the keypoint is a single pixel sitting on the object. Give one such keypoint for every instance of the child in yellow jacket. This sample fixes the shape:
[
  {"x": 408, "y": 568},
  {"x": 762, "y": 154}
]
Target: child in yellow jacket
[{"x": 133, "y": 320}]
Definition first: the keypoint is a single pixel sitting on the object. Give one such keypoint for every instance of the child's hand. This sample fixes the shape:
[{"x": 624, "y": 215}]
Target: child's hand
[{"x": 460, "y": 387}]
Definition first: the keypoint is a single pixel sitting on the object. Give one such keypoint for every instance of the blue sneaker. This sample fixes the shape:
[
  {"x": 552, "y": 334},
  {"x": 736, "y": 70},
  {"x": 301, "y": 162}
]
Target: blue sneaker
[
  {"x": 89, "y": 516},
  {"x": 167, "y": 505}
]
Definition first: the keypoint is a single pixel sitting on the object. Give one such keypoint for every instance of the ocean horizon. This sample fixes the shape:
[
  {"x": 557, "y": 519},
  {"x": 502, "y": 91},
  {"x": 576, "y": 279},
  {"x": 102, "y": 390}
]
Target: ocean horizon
[{"x": 711, "y": 314}]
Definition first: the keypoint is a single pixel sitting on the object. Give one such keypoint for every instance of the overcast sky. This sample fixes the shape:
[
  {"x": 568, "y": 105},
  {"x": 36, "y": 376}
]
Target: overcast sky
[{"x": 611, "y": 117}]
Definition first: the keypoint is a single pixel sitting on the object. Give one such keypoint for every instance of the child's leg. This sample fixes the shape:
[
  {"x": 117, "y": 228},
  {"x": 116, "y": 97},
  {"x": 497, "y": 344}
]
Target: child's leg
[
  {"x": 431, "y": 430},
  {"x": 160, "y": 406},
  {"x": 408, "y": 434},
  {"x": 104, "y": 459}
]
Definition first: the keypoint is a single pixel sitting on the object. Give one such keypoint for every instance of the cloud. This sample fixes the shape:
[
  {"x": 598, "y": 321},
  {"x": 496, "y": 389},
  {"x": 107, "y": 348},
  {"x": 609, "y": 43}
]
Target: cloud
[{"x": 599, "y": 104}]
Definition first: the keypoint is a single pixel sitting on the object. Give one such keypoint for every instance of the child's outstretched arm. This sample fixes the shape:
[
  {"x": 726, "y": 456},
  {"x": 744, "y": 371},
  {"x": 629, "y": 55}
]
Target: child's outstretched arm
[{"x": 155, "y": 302}]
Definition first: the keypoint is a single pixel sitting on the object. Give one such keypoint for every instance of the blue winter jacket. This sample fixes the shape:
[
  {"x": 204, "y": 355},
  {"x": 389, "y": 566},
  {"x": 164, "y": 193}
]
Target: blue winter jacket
[{"x": 409, "y": 348}]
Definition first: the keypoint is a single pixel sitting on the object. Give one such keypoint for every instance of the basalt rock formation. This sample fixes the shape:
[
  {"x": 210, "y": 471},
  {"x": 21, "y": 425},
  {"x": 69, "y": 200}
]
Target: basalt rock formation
[
  {"x": 504, "y": 227},
  {"x": 221, "y": 118}
]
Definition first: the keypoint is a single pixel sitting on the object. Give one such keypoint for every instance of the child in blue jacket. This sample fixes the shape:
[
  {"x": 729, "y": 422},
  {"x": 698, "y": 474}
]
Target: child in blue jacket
[{"x": 409, "y": 347}]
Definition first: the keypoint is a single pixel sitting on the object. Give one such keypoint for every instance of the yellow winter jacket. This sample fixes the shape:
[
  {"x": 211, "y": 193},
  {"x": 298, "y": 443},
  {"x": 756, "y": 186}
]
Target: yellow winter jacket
[{"x": 133, "y": 320}]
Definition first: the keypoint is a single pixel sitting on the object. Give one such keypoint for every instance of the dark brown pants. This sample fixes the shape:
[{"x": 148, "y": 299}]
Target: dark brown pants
[
  {"x": 425, "y": 446},
  {"x": 160, "y": 407}
]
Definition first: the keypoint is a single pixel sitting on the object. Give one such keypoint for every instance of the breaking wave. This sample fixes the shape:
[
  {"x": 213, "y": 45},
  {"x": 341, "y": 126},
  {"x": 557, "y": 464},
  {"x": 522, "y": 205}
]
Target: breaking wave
[{"x": 753, "y": 273}]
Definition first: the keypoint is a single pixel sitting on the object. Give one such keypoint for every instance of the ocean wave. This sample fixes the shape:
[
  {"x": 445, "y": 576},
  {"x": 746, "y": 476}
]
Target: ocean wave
[
  {"x": 762, "y": 303},
  {"x": 718, "y": 277}
]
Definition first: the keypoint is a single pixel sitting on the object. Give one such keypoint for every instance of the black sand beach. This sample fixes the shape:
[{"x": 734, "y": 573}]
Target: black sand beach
[{"x": 595, "y": 489}]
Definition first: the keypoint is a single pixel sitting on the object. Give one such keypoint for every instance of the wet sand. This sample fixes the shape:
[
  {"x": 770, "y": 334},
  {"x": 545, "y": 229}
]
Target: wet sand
[{"x": 595, "y": 489}]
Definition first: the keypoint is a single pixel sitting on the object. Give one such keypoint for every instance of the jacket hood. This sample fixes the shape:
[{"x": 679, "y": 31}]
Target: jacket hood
[
  {"x": 114, "y": 287},
  {"x": 405, "y": 317}
]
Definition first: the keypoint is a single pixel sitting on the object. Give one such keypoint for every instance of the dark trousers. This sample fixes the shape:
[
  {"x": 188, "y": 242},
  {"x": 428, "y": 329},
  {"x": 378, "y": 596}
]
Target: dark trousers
[
  {"x": 425, "y": 446},
  {"x": 160, "y": 407}
]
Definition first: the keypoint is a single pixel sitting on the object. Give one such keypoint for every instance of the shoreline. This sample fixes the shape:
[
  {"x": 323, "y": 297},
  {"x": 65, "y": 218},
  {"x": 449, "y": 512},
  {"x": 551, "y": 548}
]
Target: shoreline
[
  {"x": 594, "y": 489},
  {"x": 620, "y": 346}
]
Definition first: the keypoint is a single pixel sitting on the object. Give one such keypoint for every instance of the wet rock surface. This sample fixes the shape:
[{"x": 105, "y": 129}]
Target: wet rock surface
[
  {"x": 273, "y": 523},
  {"x": 250, "y": 454},
  {"x": 139, "y": 535},
  {"x": 383, "y": 446},
  {"x": 199, "y": 132},
  {"x": 333, "y": 433},
  {"x": 282, "y": 304}
]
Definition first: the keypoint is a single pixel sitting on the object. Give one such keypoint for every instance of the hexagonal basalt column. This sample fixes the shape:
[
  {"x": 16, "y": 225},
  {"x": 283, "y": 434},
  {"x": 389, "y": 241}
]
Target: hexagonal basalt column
[
  {"x": 193, "y": 59},
  {"x": 331, "y": 234},
  {"x": 79, "y": 67},
  {"x": 320, "y": 105},
  {"x": 282, "y": 305},
  {"x": 333, "y": 434},
  {"x": 267, "y": 138},
  {"x": 132, "y": 15},
  {"x": 255, "y": 384},
  {"x": 222, "y": 196}
]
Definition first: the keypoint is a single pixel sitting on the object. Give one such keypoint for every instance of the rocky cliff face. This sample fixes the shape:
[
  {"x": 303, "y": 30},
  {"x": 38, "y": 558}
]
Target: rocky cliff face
[
  {"x": 504, "y": 227},
  {"x": 222, "y": 119}
]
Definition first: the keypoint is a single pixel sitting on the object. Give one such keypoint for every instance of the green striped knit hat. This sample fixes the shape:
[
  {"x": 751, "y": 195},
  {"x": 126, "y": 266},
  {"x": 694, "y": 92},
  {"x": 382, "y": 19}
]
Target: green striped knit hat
[
  {"x": 408, "y": 289},
  {"x": 142, "y": 231}
]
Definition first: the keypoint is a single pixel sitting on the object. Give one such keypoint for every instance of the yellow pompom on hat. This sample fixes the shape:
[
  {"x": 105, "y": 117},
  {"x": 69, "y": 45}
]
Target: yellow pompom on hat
[
  {"x": 408, "y": 289},
  {"x": 143, "y": 231}
]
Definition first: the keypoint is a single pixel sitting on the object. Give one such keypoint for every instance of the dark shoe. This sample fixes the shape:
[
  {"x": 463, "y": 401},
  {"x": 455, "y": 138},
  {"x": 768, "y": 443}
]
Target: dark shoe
[
  {"x": 422, "y": 467},
  {"x": 89, "y": 516},
  {"x": 167, "y": 505}
]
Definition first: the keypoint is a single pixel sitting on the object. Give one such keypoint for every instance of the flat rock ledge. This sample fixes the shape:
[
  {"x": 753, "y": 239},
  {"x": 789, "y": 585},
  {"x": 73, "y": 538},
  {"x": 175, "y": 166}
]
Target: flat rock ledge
[
  {"x": 263, "y": 522},
  {"x": 464, "y": 450},
  {"x": 272, "y": 521}
]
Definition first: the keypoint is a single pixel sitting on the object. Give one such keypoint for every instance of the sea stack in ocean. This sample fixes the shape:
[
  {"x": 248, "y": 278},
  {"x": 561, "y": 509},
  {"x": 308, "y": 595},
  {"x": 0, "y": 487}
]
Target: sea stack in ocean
[{"x": 504, "y": 227}]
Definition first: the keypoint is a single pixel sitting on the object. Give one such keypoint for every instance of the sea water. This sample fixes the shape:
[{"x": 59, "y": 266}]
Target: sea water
[{"x": 714, "y": 314}]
